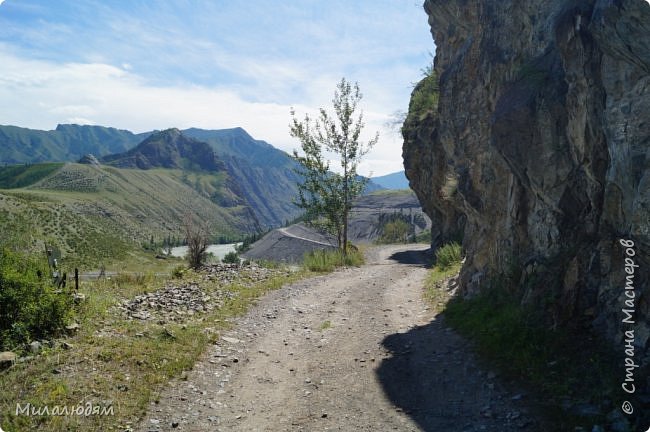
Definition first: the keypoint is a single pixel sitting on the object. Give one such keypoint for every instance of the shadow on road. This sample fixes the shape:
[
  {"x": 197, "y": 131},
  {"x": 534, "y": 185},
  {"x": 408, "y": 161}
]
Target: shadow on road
[
  {"x": 420, "y": 380},
  {"x": 414, "y": 257},
  {"x": 431, "y": 377}
]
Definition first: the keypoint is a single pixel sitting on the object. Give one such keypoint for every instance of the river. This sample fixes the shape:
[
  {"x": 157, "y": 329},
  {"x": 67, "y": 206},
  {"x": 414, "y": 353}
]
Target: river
[{"x": 218, "y": 250}]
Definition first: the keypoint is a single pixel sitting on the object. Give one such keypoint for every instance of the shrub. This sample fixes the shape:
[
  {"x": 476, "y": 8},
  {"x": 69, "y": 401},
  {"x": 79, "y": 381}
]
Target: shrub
[
  {"x": 423, "y": 237},
  {"x": 29, "y": 306},
  {"x": 231, "y": 258},
  {"x": 448, "y": 255},
  {"x": 196, "y": 235},
  {"x": 396, "y": 231},
  {"x": 178, "y": 271},
  {"x": 328, "y": 260}
]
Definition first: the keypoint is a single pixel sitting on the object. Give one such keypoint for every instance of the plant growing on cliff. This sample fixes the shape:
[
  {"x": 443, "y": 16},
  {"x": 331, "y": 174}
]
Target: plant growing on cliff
[
  {"x": 323, "y": 194},
  {"x": 424, "y": 98}
]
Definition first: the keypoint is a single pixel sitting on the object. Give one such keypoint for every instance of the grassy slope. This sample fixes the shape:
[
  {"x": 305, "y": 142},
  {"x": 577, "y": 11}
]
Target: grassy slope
[
  {"x": 97, "y": 215},
  {"x": 17, "y": 176}
]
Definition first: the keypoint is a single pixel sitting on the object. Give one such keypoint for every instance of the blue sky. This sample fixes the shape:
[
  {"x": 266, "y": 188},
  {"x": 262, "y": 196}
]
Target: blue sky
[{"x": 154, "y": 64}]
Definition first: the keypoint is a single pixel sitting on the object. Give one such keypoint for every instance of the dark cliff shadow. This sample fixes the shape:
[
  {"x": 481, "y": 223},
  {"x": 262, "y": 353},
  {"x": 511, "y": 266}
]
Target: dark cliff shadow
[
  {"x": 432, "y": 377},
  {"x": 414, "y": 257}
]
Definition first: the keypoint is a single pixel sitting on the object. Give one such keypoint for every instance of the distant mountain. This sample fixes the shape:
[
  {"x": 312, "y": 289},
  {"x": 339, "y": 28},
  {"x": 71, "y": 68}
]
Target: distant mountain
[
  {"x": 396, "y": 180},
  {"x": 265, "y": 174},
  {"x": 237, "y": 143},
  {"x": 168, "y": 149},
  {"x": 65, "y": 143},
  {"x": 253, "y": 171}
]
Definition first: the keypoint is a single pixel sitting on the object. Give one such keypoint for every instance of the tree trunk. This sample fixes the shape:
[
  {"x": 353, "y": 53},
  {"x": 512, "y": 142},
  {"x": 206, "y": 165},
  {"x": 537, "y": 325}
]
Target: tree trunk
[
  {"x": 346, "y": 196},
  {"x": 345, "y": 232}
]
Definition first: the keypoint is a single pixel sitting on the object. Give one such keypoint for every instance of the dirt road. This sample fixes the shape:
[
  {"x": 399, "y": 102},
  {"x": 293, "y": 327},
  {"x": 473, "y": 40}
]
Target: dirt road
[{"x": 356, "y": 350}]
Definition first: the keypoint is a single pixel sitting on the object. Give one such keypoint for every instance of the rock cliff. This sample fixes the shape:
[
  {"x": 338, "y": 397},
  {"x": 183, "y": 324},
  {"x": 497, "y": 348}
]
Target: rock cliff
[{"x": 531, "y": 140}]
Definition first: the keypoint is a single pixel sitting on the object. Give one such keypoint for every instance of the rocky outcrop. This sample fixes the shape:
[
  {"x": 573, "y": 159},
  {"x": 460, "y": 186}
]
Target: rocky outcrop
[
  {"x": 168, "y": 149},
  {"x": 537, "y": 147},
  {"x": 89, "y": 159}
]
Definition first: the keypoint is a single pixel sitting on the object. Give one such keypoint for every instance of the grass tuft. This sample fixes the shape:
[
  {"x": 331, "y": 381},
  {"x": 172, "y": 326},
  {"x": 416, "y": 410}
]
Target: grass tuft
[
  {"x": 324, "y": 261},
  {"x": 448, "y": 255}
]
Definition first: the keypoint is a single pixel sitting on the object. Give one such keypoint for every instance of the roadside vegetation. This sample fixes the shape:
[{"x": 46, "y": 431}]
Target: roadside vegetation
[
  {"x": 448, "y": 261},
  {"x": 323, "y": 261},
  {"x": 325, "y": 195},
  {"x": 397, "y": 231},
  {"x": 400, "y": 227},
  {"x": 30, "y": 307},
  {"x": 109, "y": 358},
  {"x": 566, "y": 367},
  {"x": 563, "y": 367},
  {"x": 116, "y": 360}
]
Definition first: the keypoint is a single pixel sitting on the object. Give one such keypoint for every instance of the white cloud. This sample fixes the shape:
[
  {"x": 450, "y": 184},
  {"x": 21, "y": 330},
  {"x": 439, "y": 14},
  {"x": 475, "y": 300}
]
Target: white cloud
[
  {"x": 199, "y": 63},
  {"x": 46, "y": 94}
]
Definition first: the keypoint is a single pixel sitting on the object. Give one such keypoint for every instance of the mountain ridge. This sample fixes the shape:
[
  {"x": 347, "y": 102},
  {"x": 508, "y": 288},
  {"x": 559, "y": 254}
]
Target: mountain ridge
[
  {"x": 395, "y": 181},
  {"x": 64, "y": 144},
  {"x": 169, "y": 149},
  {"x": 259, "y": 174}
]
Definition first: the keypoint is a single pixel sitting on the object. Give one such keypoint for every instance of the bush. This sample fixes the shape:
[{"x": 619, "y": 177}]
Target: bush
[
  {"x": 231, "y": 258},
  {"x": 423, "y": 237},
  {"x": 396, "y": 231},
  {"x": 448, "y": 255},
  {"x": 196, "y": 235},
  {"x": 178, "y": 271},
  {"x": 30, "y": 308},
  {"x": 328, "y": 260}
]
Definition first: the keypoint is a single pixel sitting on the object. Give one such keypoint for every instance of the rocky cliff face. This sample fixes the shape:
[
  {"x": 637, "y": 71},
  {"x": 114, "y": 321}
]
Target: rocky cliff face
[{"x": 538, "y": 148}]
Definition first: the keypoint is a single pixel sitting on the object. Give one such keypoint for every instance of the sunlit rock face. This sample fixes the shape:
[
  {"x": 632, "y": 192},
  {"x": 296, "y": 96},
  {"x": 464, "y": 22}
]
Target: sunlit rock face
[{"x": 539, "y": 149}]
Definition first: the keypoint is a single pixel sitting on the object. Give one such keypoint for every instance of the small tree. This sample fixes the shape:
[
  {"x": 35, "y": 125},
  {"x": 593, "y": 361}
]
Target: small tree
[
  {"x": 325, "y": 194},
  {"x": 196, "y": 235}
]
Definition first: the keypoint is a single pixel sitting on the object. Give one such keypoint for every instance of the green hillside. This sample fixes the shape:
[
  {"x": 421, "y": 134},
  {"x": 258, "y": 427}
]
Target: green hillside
[
  {"x": 17, "y": 176},
  {"x": 99, "y": 214},
  {"x": 259, "y": 174},
  {"x": 65, "y": 143}
]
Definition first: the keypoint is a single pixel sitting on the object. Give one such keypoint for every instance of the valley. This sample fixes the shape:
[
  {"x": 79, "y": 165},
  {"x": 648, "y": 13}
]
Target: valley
[{"x": 107, "y": 208}]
